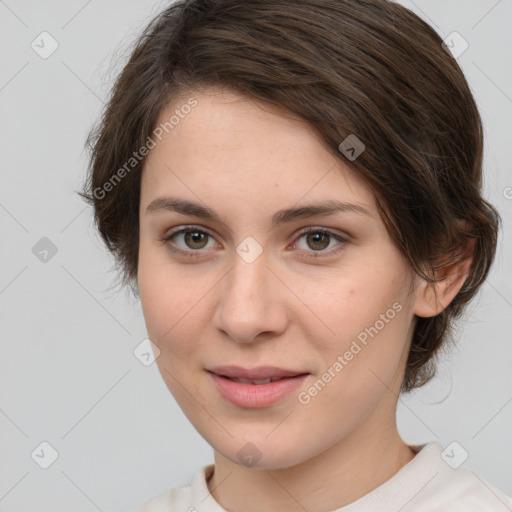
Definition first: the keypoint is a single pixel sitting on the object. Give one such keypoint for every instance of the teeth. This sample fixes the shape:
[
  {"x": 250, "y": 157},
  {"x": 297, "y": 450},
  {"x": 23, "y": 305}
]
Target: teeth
[{"x": 249, "y": 381}]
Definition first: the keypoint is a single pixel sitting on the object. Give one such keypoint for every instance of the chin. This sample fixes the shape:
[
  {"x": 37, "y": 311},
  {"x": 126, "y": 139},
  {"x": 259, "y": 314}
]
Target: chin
[{"x": 259, "y": 452}]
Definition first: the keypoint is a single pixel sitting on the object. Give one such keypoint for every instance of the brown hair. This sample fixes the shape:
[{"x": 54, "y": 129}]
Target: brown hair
[{"x": 366, "y": 67}]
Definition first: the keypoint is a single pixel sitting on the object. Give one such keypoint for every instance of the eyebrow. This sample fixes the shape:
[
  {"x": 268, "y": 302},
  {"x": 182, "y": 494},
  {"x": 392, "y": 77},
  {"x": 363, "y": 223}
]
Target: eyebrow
[{"x": 323, "y": 208}]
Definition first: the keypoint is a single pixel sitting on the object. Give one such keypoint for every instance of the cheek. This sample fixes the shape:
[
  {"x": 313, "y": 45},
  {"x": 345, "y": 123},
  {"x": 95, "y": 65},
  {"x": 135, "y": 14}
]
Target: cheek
[
  {"x": 173, "y": 303},
  {"x": 365, "y": 342},
  {"x": 161, "y": 294},
  {"x": 347, "y": 302}
]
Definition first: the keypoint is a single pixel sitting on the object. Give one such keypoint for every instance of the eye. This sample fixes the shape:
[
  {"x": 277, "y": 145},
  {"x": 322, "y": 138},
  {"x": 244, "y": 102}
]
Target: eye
[
  {"x": 318, "y": 240},
  {"x": 192, "y": 241}
]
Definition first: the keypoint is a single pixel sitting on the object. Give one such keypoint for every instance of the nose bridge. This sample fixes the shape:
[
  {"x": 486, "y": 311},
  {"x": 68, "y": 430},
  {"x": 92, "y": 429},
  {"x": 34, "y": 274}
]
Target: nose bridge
[{"x": 249, "y": 302}]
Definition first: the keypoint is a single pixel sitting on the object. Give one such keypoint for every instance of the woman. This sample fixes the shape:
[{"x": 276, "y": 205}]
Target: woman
[{"x": 293, "y": 190}]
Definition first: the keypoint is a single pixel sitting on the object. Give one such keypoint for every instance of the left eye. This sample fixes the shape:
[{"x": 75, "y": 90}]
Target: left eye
[{"x": 319, "y": 240}]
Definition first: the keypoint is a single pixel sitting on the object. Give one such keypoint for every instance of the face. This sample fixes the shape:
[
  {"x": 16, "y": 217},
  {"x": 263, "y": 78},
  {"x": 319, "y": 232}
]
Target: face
[{"x": 323, "y": 294}]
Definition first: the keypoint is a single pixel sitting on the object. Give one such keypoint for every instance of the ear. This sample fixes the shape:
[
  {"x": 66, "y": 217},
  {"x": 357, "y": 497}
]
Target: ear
[{"x": 432, "y": 298}]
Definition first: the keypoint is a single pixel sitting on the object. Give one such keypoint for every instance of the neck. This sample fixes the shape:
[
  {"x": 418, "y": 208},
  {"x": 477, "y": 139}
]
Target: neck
[{"x": 337, "y": 477}]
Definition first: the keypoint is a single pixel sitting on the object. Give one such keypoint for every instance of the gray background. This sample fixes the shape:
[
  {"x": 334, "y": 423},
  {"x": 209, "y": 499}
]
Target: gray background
[{"x": 68, "y": 373}]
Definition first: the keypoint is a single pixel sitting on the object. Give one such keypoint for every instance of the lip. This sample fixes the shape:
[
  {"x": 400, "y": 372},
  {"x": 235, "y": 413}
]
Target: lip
[{"x": 256, "y": 395}]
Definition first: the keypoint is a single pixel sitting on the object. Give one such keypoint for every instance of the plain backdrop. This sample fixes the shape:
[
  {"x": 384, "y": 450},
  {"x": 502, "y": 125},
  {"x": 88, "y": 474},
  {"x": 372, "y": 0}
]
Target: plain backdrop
[{"x": 112, "y": 434}]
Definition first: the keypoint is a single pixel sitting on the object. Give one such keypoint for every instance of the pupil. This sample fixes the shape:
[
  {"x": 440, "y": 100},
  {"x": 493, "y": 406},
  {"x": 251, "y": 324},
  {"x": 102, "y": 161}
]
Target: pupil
[
  {"x": 194, "y": 237},
  {"x": 317, "y": 237}
]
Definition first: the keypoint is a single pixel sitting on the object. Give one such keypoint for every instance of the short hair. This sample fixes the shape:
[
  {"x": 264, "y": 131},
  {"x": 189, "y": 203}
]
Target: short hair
[{"x": 369, "y": 68}]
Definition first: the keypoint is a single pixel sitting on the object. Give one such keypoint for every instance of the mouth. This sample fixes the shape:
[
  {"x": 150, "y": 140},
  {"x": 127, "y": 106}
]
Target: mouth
[
  {"x": 259, "y": 381},
  {"x": 258, "y": 387},
  {"x": 258, "y": 375},
  {"x": 252, "y": 381}
]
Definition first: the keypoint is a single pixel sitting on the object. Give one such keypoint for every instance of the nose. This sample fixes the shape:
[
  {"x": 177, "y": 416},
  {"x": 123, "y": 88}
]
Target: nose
[{"x": 251, "y": 302}]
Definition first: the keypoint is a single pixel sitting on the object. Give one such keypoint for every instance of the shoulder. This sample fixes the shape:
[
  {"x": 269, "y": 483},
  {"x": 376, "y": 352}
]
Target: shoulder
[
  {"x": 186, "y": 498},
  {"x": 453, "y": 489},
  {"x": 174, "y": 499},
  {"x": 461, "y": 490},
  {"x": 433, "y": 482}
]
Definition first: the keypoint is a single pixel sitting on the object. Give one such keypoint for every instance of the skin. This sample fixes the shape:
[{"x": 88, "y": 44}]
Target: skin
[{"x": 246, "y": 160}]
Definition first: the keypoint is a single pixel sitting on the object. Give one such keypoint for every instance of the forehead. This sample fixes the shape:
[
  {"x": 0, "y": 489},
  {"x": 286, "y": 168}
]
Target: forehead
[
  {"x": 223, "y": 119},
  {"x": 229, "y": 142}
]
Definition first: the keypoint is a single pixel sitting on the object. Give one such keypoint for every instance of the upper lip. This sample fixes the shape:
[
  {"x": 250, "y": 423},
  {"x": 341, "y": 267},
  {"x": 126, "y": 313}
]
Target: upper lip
[{"x": 260, "y": 372}]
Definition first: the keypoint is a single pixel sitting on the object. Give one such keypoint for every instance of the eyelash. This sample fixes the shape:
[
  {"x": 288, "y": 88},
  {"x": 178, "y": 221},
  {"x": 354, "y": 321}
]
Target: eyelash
[{"x": 197, "y": 253}]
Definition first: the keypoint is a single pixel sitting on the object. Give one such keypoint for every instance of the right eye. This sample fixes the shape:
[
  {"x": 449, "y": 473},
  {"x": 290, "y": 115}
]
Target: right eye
[{"x": 193, "y": 240}]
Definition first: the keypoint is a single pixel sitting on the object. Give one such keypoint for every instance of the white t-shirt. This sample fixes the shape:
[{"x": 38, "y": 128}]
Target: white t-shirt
[{"x": 426, "y": 484}]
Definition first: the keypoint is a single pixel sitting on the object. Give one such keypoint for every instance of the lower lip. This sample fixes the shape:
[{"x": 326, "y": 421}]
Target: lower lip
[{"x": 256, "y": 395}]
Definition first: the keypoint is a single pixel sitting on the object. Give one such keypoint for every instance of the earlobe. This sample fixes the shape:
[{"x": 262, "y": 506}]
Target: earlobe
[{"x": 432, "y": 298}]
